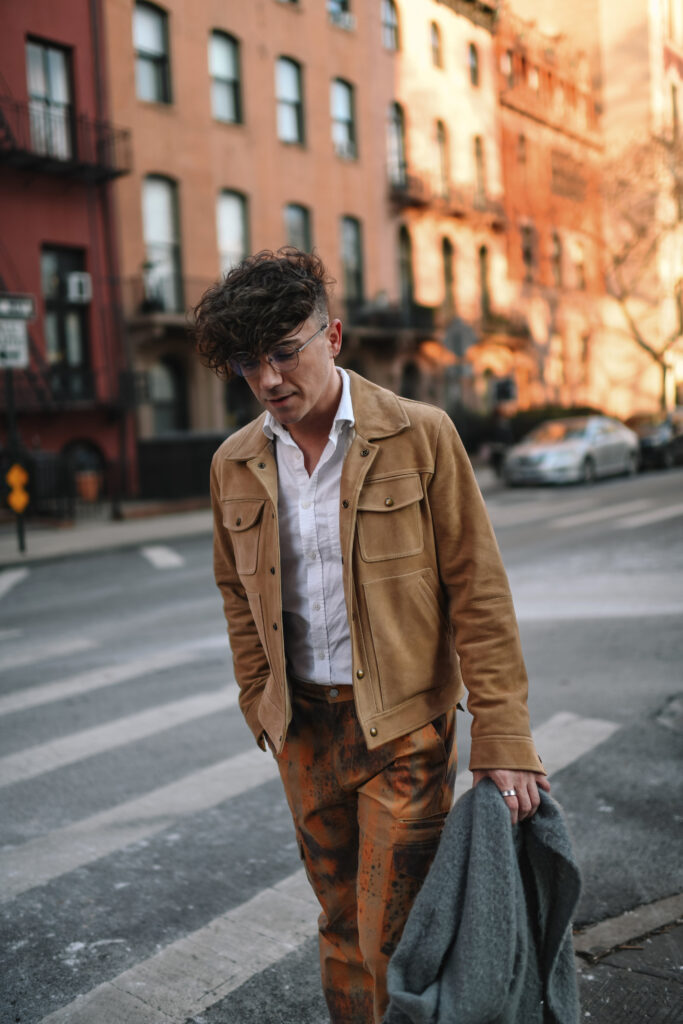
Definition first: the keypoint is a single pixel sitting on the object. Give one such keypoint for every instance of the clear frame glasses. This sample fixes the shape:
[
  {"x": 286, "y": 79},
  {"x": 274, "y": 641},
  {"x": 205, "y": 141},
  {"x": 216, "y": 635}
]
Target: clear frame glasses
[{"x": 283, "y": 359}]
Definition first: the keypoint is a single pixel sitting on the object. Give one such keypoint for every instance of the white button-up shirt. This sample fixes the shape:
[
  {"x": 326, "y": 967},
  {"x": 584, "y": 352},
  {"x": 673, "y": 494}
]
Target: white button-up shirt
[{"x": 316, "y": 629}]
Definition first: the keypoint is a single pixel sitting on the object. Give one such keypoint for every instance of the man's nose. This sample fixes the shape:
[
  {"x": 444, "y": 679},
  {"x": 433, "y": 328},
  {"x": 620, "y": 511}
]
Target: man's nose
[{"x": 269, "y": 376}]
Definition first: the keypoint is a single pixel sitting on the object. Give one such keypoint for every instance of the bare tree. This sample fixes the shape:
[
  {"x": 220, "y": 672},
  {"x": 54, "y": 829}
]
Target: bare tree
[{"x": 643, "y": 229}]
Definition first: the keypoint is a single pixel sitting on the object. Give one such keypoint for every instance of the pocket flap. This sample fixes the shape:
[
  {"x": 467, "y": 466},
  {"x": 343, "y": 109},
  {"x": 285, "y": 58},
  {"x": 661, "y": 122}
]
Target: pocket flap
[
  {"x": 390, "y": 494},
  {"x": 242, "y": 513}
]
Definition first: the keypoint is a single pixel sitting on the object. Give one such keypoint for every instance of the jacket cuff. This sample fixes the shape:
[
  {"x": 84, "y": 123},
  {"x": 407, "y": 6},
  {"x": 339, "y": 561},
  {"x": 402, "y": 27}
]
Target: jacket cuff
[{"x": 514, "y": 753}]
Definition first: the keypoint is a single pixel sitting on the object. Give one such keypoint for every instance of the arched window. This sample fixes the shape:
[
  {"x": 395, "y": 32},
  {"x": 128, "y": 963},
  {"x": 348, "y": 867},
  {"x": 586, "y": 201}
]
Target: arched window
[
  {"x": 390, "y": 34},
  {"x": 448, "y": 275},
  {"x": 444, "y": 162},
  {"x": 556, "y": 258},
  {"x": 342, "y": 111},
  {"x": 405, "y": 267},
  {"x": 233, "y": 230},
  {"x": 435, "y": 40},
  {"x": 290, "y": 102},
  {"x": 473, "y": 59},
  {"x": 352, "y": 259},
  {"x": 152, "y": 65},
  {"x": 479, "y": 171},
  {"x": 224, "y": 69},
  {"x": 396, "y": 146}
]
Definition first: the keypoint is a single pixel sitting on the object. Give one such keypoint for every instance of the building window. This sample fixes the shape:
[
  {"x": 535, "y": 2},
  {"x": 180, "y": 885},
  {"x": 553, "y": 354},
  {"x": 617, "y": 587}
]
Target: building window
[
  {"x": 521, "y": 148},
  {"x": 339, "y": 13},
  {"x": 352, "y": 260},
  {"x": 528, "y": 235},
  {"x": 448, "y": 275},
  {"x": 233, "y": 229},
  {"x": 343, "y": 119},
  {"x": 579, "y": 260},
  {"x": 152, "y": 67},
  {"x": 224, "y": 68},
  {"x": 390, "y": 36},
  {"x": 290, "y": 105},
  {"x": 162, "y": 268},
  {"x": 479, "y": 172},
  {"x": 168, "y": 395},
  {"x": 298, "y": 226},
  {"x": 473, "y": 58},
  {"x": 435, "y": 40},
  {"x": 484, "y": 289},
  {"x": 66, "y": 322},
  {"x": 396, "y": 145},
  {"x": 556, "y": 258},
  {"x": 444, "y": 162},
  {"x": 49, "y": 91},
  {"x": 507, "y": 66},
  {"x": 534, "y": 79},
  {"x": 405, "y": 268}
]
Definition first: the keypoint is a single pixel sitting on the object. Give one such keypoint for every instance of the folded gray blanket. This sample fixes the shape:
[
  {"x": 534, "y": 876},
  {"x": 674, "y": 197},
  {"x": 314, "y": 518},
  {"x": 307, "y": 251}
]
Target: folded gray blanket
[{"x": 488, "y": 940}]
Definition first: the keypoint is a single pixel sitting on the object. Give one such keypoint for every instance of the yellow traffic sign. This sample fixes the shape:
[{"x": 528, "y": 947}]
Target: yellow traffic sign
[{"x": 17, "y": 477}]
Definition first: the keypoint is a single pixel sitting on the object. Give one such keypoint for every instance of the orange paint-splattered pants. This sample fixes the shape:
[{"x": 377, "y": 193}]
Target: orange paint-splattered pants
[{"x": 368, "y": 824}]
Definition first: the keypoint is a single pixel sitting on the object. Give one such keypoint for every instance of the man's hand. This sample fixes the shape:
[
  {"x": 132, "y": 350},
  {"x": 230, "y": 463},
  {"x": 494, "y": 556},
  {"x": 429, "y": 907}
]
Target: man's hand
[{"x": 524, "y": 801}]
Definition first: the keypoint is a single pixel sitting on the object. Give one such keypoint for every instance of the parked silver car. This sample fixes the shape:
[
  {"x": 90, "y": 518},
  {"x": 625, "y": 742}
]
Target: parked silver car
[{"x": 579, "y": 448}]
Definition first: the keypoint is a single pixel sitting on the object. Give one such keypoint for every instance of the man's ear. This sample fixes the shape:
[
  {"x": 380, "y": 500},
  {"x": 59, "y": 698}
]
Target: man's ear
[{"x": 335, "y": 336}]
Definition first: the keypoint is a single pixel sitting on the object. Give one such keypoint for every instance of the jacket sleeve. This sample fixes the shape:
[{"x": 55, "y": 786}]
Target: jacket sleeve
[
  {"x": 249, "y": 659},
  {"x": 481, "y": 611}
]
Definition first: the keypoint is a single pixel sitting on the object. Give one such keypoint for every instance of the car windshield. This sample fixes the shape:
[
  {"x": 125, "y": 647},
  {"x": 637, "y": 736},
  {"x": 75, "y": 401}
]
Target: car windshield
[{"x": 555, "y": 431}]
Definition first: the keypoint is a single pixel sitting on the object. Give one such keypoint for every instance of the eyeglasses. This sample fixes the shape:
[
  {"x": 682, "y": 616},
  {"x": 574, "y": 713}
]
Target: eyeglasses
[{"x": 283, "y": 359}]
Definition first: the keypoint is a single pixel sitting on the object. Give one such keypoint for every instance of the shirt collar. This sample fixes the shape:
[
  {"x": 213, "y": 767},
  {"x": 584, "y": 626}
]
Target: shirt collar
[{"x": 343, "y": 416}]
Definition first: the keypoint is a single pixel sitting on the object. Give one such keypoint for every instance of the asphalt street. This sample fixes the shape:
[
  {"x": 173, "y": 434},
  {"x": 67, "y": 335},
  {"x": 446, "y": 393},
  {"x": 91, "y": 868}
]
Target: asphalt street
[{"x": 148, "y": 868}]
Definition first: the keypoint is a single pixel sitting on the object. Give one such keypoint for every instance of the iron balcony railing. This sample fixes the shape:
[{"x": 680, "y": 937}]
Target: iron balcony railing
[{"x": 37, "y": 136}]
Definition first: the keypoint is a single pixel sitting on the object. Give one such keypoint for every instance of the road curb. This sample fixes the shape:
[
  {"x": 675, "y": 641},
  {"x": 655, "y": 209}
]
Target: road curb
[{"x": 600, "y": 939}]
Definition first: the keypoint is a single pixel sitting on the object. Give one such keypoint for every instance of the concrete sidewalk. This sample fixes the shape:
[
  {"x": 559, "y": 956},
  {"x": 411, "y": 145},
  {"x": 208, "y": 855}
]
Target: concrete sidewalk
[{"x": 85, "y": 536}]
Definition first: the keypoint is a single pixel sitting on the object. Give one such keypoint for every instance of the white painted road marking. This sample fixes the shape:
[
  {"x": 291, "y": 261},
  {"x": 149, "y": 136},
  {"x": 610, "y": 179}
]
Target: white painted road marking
[
  {"x": 65, "y": 849},
  {"x": 596, "y": 515},
  {"x": 43, "y": 651},
  {"x": 162, "y": 557},
  {"x": 46, "y": 757},
  {"x": 95, "y": 679},
  {"x": 657, "y": 515},
  {"x": 198, "y": 970},
  {"x": 9, "y": 578}
]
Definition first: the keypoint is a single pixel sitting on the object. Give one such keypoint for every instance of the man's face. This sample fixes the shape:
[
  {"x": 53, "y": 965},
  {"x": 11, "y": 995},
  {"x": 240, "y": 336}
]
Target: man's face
[{"x": 312, "y": 388}]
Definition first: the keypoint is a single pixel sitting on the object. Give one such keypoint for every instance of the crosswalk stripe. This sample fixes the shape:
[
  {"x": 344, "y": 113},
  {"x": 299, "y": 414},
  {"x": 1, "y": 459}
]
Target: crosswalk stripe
[
  {"x": 516, "y": 515},
  {"x": 195, "y": 972},
  {"x": 42, "y": 651},
  {"x": 9, "y": 578},
  {"x": 40, "y": 860},
  {"x": 560, "y": 740},
  {"x": 95, "y": 679},
  {"x": 596, "y": 515},
  {"x": 162, "y": 557},
  {"x": 657, "y": 515},
  {"x": 46, "y": 757}
]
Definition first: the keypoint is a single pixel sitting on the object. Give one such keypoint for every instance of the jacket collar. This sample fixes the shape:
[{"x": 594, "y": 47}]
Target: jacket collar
[{"x": 377, "y": 413}]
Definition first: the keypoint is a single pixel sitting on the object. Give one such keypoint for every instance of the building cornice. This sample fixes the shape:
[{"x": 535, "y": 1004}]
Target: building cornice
[{"x": 480, "y": 12}]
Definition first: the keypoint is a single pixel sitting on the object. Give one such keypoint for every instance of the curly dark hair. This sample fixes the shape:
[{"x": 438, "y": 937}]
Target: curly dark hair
[{"x": 258, "y": 302}]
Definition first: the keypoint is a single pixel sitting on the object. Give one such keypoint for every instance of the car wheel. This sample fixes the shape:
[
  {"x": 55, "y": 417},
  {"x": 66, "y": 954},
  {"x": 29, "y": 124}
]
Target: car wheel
[
  {"x": 668, "y": 459},
  {"x": 588, "y": 474},
  {"x": 633, "y": 464}
]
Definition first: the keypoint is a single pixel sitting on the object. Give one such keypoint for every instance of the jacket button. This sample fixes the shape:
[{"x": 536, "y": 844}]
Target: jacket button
[
  {"x": 275, "y": 625},
  {"x": 365, "y": 451},
  {"x": 272, "y": 570},
  {"x": 261, "y": 465},
  {"x": 360, "y": 674},
  {"x": 373, "y": 731},
  {"x": 238, "y": 521},
  {"x": 345, "y": 503},
  {"x": 388, "y": 502}
]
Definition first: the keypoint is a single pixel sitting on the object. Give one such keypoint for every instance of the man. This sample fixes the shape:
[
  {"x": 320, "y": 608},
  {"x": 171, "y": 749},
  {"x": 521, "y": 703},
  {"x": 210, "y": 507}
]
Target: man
[{"x": 355, "y": 558}]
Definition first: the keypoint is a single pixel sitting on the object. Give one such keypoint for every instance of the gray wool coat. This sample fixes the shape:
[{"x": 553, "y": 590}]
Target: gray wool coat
[{"x": 488, "y": 940}]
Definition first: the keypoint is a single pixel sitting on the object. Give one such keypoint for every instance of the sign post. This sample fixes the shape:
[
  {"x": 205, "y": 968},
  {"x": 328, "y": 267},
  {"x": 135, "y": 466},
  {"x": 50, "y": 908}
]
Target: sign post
[{"x": 15, "y": 310}]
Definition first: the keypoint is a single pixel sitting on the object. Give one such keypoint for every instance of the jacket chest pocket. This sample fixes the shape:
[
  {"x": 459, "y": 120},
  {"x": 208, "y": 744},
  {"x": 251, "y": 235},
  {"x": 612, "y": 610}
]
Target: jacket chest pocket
[
  {"x": 242, "y": 517},
  {"x": 388, "y": 520}
]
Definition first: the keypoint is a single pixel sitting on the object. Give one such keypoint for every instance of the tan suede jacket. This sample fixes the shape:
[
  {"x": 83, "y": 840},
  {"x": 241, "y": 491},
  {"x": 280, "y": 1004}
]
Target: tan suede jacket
[{"x": 426, "y": 593}]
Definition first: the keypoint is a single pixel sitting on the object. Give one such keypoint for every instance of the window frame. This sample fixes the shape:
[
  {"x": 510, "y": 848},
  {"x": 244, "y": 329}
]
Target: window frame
[
  {"x": 168, "y": 293},
  {"x": 473, "y": 65},
  {"x": 436, "y": 44},
  {"x": 354, "y": 275},
  {"x": 232, "y": 85},
  {"x": 51, "y": 121},
  {"x": 160, "y": 63},
  {"x": 391, "y": 35},
  {"x": 243, "y": 203},
  {"x": 67, "y": 377},
  {"x": 406, "y": 268},
  {"x": 285, "y": 104},
  {"x": 442, "y": 144},
  {"x": 307, "y": 225},
  {"x": 396, "y": 133},
  {"x": 348, "y": 147}
]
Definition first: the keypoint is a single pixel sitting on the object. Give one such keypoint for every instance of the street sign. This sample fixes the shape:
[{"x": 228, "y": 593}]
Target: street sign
[
  {"x": 13, "y": 344},
  {"x": 17, "y": 307}
]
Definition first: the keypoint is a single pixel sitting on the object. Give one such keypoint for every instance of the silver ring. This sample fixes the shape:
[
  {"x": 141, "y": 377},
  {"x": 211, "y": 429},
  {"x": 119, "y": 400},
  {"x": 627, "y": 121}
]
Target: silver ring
[{"x": 509, "y": 792}]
